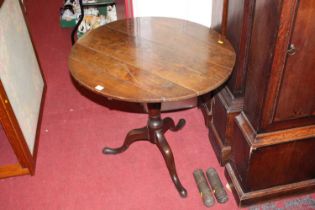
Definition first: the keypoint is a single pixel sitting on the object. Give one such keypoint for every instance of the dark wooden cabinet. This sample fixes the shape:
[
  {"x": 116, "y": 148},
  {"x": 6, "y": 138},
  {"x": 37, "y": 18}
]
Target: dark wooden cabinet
[
  {"x": 273, "y": 138},
  {"x": 228, "y": 101}
]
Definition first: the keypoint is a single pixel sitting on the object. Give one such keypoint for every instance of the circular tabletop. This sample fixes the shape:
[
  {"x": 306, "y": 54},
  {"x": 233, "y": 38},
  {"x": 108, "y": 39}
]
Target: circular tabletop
[{"x": 151, "y": 59}]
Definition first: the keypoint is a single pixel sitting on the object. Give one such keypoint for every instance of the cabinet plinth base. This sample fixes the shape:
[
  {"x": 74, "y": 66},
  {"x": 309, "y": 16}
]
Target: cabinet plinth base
[
  {"x": 225, "y": 106},
  {"x": 249, "y": 198}
]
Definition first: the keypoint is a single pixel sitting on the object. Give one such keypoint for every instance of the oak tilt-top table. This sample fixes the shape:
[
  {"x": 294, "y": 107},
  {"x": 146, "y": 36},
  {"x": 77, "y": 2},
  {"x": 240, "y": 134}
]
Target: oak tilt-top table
[{"x": 152, "y": 60}]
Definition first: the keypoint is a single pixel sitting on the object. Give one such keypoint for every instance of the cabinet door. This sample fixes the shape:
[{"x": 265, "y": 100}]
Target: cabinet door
[
  {"x": 296, "y": 100},
  {"x": 280, "y": 80}
]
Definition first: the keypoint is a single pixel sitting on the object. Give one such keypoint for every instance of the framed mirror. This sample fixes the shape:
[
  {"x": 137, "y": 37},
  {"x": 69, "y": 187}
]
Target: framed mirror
[{"x": 22, "y": 88}]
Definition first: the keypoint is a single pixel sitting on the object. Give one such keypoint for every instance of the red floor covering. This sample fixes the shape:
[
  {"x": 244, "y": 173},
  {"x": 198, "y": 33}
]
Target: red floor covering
[{"x": 72, "y": 172}]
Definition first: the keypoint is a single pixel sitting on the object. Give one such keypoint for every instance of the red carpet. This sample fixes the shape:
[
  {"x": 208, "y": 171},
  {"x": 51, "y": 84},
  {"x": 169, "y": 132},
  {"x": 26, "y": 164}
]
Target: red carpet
[{"x": 72, "y": 172}]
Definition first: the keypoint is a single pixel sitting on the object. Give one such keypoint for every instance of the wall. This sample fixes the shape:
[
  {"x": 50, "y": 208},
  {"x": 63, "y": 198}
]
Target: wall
[{"x": 192, "y": 10}]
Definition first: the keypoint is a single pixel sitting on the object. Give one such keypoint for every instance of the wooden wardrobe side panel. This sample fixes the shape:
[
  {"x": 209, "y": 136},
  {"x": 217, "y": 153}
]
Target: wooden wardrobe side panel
[
  {"x": 234, "y": 34},
  {"x": 235, "y": 23},
  {"x": 263, "y": 39},
  {"x": 228, "y": 101}
]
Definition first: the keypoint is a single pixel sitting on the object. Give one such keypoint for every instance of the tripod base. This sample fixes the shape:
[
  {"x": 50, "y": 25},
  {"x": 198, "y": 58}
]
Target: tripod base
[{"x": 154, "y": 133}]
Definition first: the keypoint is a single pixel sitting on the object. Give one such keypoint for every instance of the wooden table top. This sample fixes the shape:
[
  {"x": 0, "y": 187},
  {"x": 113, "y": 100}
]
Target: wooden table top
[{"x": 151, "y": 60}]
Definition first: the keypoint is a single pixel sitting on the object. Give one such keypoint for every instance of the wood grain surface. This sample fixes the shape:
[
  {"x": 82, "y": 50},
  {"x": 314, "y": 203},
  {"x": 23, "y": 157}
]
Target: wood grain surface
[{"x": 151, "y": 60}]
